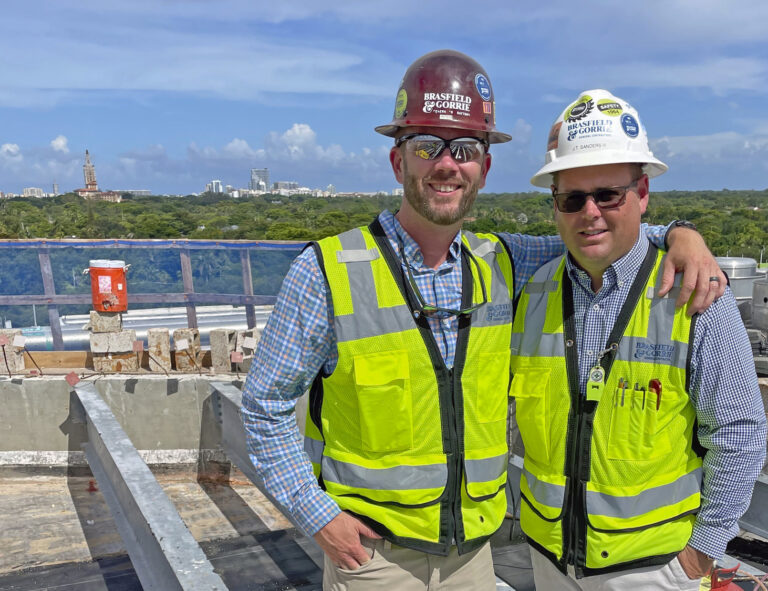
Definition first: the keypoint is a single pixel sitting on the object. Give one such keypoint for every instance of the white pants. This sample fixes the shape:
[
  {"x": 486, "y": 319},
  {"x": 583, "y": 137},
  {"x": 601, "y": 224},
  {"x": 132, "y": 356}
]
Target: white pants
[
  {"x": 667, "y": 577},
  {"x": 394, "y": 568}
]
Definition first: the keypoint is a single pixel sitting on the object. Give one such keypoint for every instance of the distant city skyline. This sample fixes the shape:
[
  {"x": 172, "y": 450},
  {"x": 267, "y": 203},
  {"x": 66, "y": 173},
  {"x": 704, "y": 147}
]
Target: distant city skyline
[{"x": 171, "y": 95}]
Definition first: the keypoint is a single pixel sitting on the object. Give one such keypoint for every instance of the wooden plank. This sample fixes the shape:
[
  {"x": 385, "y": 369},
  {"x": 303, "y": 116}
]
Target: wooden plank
[
  {"x": 84, "y": 359},
  {"x": 189, "y": 287},
  {"x": 250, "y": 311},
  {"x": 58, "y": 359},
  {"x": 50, "y": 291}
]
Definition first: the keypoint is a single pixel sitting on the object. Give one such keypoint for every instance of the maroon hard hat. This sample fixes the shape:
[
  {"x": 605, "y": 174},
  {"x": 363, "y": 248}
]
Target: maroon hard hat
[{"x": 446, "y": 88}]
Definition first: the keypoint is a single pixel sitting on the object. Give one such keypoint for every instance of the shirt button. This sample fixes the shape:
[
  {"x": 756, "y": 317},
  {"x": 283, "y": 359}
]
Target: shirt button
[
  {"x": 596, "y": 306},
  {"x": 590, "y": 353},
  {"x": 621, "y": 283}
]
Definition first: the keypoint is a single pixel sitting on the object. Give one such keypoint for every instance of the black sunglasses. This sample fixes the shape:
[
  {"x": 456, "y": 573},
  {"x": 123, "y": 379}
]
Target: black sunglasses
[
  {"x": 429, "y": 147},
  {"x": 426, "y": 309},
  {"x": 605, "y": 198}
]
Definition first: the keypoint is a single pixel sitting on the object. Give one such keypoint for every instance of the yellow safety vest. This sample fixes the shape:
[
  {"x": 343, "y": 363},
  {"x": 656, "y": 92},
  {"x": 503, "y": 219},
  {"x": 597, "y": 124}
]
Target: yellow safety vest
[
  {"x": 415, "y": 449},
  {"x": 611, "y": 480}
]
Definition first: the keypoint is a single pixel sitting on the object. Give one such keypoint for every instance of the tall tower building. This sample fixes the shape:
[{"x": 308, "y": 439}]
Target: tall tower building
[
  {"x": 89, "y": 172},
  {"x": 259, "y": 179},
  {"x": 55, "y": 188}
]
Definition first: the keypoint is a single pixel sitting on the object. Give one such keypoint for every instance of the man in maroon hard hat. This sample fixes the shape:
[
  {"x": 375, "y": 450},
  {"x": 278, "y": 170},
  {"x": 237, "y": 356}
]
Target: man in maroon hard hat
[{"x": 401, "y": 330}]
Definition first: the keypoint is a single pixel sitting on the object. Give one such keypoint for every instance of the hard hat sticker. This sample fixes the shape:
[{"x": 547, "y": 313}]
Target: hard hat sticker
[
  {"x": 629, "y": 125},
  {"x": 447, "y": 104},
  {"x": 580, "y": 109},
  {"x": 483, "y": 87},
  {"x": 487, "y": 108},
  {"x": 401, "y": 103},
  {"x": 609, "y": 107}
]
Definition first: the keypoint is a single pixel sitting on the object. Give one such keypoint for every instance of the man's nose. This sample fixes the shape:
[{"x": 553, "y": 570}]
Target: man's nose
[
  {"x": 445, "y": 161},
  {"x": 590, "y": 209}
]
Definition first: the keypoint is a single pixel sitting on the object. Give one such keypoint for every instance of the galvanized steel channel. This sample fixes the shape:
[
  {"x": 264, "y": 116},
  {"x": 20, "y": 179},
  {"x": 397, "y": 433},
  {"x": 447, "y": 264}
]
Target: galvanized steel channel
[{"x": 164, "y": 554}]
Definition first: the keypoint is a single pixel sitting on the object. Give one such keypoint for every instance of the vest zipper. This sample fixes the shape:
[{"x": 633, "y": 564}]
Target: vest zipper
[
  {"x": 456, "y": 463},
  {"x": 576, "y": 509}
]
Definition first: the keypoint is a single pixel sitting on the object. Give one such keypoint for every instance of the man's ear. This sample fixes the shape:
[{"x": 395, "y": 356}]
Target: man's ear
[
  {"x": 396, "y": 160},
  {"x": 486, "y": 168},
  {"x": 643, "y": 192}
]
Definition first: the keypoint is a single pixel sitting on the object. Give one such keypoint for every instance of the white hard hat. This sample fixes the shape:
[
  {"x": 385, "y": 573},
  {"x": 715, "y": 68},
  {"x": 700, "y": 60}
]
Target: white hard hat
[{"x": 598, "y": 128}]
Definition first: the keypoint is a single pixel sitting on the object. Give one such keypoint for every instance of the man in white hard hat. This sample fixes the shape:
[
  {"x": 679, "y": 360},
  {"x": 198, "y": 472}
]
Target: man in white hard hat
[
  {"x": 402, "y": 331},
  {"x": 644, "y": 429}
]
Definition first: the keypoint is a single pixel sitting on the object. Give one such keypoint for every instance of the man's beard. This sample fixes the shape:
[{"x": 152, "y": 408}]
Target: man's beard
[{"x": 412, "y": 188}]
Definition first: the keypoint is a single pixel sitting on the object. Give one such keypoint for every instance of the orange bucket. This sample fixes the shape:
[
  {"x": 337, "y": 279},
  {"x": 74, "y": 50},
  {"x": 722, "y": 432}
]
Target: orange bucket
[{"x": 108, "y": 288}]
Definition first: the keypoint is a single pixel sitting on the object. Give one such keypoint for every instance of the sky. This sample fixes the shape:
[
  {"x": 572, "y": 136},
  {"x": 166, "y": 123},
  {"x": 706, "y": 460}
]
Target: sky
[{"x": 169, "y": 95}]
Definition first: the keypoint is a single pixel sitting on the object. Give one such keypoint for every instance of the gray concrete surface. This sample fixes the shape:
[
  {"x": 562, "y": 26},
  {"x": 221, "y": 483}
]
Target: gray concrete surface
[{"x": 166, "y": 418}]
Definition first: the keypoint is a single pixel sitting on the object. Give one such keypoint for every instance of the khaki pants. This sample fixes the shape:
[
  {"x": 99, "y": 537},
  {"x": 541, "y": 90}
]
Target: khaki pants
[
  {"x": 668, "y": 577},
  {"x": 394, "y": 568}
]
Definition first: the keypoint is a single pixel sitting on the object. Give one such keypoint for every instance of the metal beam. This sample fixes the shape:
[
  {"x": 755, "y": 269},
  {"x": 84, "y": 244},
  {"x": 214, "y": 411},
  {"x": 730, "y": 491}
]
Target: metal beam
[
  {"x": 163, "y": 244},
  {"x": 164, "y": 554},
  {"x": 189, "y": 287},
  {"x": 50, "y": 291},
  {"x": 227, "y": 400},
  {"x": 144, "y": 298},
  {"x": 250, "y": 311}
]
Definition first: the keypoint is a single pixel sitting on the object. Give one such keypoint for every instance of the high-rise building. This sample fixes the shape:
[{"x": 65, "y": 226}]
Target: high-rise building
[
  {"x": 259, "y": 179},
  {"x": 55, "y": 188},
  {"x": 214, "y": 186},
  {"x": 331, "y": 190},
  {"x": 32, "y": 192},
  {"x": 285, "y": 185},
  {"x": 89, "y": 172}
]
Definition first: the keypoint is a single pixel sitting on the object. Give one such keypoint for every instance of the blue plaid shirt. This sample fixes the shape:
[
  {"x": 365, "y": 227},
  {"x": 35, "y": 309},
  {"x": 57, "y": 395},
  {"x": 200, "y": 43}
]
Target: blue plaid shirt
[
  {"x": 299, "y": 340},
  {"x": 724, "y": 392}
]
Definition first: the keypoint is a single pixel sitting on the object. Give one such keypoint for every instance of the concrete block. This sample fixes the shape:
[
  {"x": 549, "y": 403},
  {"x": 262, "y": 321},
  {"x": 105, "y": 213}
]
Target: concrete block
[
  {"x": 246, "y": 343},
  {"x": 115, "y": 362},
  {"x": 187, "y": 358},
  {"x": 113, "y": 342},
  {"x": 13, "y": 355},
  {"x": 159, "y": 341},
  {"x": 106, "y": 321},
  {"x": 223, "y": 342}
]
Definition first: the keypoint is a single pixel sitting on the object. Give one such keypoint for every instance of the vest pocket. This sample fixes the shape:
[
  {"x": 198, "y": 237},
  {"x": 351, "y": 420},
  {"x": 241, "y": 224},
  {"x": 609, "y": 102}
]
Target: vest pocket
[
  {"x": 529, "y": 388},
  {"x": 383, "y": 386},
  {"x": 637, "y": 428},
  {"x": 485, "y": 473}
]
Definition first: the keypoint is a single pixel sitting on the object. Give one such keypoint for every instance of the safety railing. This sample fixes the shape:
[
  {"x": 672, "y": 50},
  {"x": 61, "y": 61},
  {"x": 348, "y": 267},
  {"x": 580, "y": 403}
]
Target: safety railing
[{"x": 124, "y": 249}]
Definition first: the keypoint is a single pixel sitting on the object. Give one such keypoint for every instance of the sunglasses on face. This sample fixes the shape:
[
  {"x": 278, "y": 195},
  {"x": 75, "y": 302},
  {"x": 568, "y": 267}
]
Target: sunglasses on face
[
  {"x": 605, "y": 198},
  {"x": 429, "y": 147}
]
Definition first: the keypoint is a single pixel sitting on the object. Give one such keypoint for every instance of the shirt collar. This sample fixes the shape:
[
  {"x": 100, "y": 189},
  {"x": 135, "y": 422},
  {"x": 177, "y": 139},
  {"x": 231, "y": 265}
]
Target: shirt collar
[
  {"x": 397, "y": 235},
  {"x": 621, "y": 270}
]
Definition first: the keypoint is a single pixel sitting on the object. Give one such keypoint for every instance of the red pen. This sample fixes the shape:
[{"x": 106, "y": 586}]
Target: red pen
[{"x": 655, "y": 386}]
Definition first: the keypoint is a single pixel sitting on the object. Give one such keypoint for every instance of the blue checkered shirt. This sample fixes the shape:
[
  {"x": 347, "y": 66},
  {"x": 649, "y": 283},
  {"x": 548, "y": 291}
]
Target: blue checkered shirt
[
  {"x": 724, "y": 392},
  {"x": 298, "y": 341}
]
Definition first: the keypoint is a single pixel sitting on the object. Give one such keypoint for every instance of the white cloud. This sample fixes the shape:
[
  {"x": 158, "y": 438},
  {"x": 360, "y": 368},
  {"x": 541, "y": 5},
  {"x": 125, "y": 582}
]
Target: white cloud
[
  {"x": 59, "y": 144},
  {"x": 239, "y": 148},
  {"x": 10, "y": 151}
]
